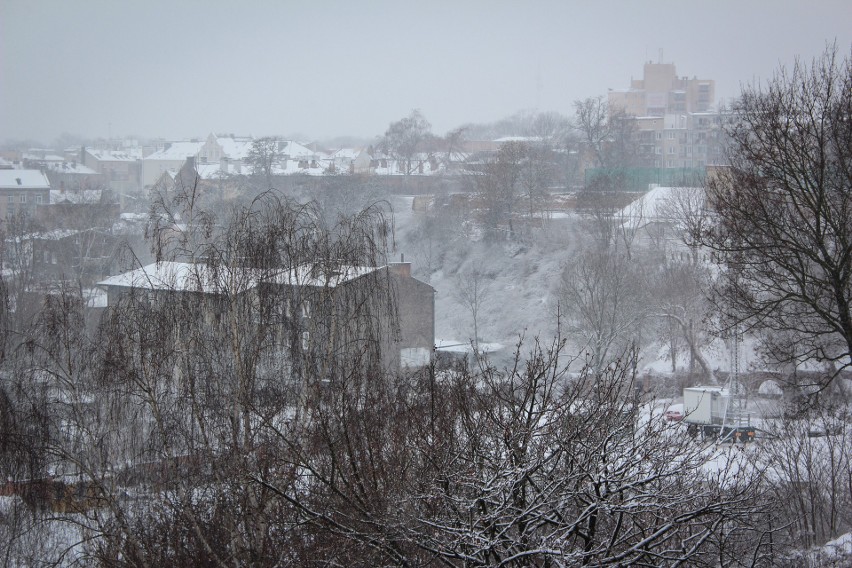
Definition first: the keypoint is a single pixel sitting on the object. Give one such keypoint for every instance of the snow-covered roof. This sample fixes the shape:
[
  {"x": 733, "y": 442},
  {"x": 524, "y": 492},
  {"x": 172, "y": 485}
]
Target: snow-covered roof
[
  {"x": 190, "y": 277},
  {"x": 185, "y": 277},
  {"x": 652, "y": 207},
  {"x": 346, "y": 153},
  {"x": 84, "y": 196},
  {"x": 235, "y": 148},
  {"x": 23, "y": 179},
  {"x": 177, "y": 151},
  {"x": 214, "y": 171},
  {"x": 298, "y": 151},
  {"x": 47, "y": 158},
  {"x": 113, "y": 155},
  {"x": 309, "y": 275},
  {"x": 70, "y": 168}
]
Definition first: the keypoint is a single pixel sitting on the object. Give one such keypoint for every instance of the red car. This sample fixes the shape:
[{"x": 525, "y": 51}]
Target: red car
[{"x": 674, "y": 413}]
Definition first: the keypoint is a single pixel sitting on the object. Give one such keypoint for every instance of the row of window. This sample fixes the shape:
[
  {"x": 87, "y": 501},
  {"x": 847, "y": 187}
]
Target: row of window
[
  {"x": 685, "y": 151},
  {"x": 679, "y": 164},
  {"x": 22, "y": 198}
]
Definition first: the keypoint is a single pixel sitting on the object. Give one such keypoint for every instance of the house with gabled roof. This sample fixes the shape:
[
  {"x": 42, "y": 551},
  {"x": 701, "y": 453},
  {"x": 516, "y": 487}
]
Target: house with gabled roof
[
  {"x": 209, "y": 153},
  {"x": 306, "y": 312},
  {"x": 21, "y": 191},
  {"x": 170, "y": 157},
  {"x": 120, "y": 169}
]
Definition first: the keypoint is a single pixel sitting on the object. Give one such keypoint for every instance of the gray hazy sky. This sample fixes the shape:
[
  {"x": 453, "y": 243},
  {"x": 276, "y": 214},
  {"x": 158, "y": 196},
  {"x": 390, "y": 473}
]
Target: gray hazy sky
[{"x": 183, "y": 69}]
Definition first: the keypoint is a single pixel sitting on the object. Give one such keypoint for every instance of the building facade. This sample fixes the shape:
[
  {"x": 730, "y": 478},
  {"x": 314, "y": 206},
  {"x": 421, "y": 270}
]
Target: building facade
[
  {"x": 317, "y": 319},
  {"x": 676, "y": 124},
  {"x": 21, "y": 191},
  {"x": 661, "y": 91}
]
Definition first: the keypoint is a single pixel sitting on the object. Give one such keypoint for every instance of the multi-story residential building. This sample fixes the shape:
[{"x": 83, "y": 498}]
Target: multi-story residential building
[
  {"x": 676, "y": 124},
  {"x": 21, "y": 191},
  {"x": 79, "y": 256},
  {"x": 120, "y": 168},
  {"x": 661, "y": 91},
  {"x": 335, "y": 313}
]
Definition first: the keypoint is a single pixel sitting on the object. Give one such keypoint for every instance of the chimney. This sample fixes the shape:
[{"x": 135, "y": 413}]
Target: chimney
[{"x": 401, "y": 268}]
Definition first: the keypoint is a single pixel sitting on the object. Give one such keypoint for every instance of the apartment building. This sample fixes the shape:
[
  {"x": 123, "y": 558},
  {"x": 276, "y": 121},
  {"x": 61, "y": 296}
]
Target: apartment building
[
  {"x": 661, "y": 91},
  {"x": 676, "y": 123}
]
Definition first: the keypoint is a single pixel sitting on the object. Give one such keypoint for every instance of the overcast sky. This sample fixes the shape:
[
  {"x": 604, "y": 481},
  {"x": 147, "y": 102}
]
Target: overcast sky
[{"x": 183, "y": 69}]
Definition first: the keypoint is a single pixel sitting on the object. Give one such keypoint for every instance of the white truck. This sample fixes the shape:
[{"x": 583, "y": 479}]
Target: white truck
[
  {"x": 705, "y": 405},
  {"x": 711, "y": 411}
]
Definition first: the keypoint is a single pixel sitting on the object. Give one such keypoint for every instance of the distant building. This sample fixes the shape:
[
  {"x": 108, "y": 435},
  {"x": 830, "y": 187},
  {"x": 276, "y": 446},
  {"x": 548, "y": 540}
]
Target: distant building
[
  {"x": 21, "y": 191},
  {"x": 341, "y": 310},
  {"x": 661, "y": 91},
  {"x": 676, "y": 124},
  {"x": 78, "y": 256},
  {"x": 212, "y": 152},
  {"x": 120, "y": 169}
]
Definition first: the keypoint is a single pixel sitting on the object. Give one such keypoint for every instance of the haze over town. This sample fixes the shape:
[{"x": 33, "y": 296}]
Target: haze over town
[
  {"x": 317, "y": 70},
  {"x": 423, "y": 284}
]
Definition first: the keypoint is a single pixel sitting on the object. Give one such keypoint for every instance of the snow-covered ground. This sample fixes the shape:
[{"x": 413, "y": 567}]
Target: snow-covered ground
[{"x": 521, "y": 295}]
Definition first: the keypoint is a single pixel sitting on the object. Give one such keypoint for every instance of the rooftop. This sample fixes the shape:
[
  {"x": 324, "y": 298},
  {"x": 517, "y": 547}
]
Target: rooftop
[{"x": 23, "y": 179}]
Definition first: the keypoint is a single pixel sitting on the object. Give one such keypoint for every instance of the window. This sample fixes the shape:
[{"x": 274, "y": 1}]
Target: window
[
  {"x": 23, "y": 198},
  {"x": 671, "y": 150},
  {"x": 53, "y": 258},
  {"x": 306, "y": 340},
  {"x": 11, "y": 199},
  {"x": 671, "y": 135},
  {"x": 38, "y": 199},
  {"x": 306, "y": 310},
  {"x": 658, "y": 150}
]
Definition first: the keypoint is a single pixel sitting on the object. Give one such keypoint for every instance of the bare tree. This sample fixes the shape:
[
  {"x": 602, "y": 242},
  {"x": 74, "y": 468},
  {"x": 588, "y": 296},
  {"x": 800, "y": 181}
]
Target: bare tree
[
  {"x": 472, "y": 289},
  {"x": 605, "y": 301},
  {"x": 521, "y": 467},
  {"x": 407, "y": 137},
  {"x": 686, "y": 209},
  {"x": 265, "y": 153},
  {"x": 607, "y": 133},
  {"x": 500, "y": 188},
  {"x": 680, "y": 299},
  {"x": 808, "y": 457},
  {"x": 784, "y": 206}
]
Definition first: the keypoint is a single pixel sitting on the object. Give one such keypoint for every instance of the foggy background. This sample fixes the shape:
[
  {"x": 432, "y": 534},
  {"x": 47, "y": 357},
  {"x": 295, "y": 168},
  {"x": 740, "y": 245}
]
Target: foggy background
[{"x": 321, "y": 69}]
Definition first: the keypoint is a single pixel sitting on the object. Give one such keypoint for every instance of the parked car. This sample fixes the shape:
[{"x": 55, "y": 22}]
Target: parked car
[{"x": 674, "y": 413}]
